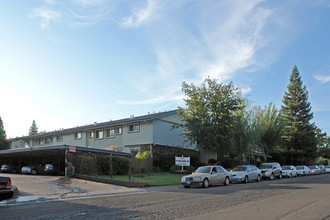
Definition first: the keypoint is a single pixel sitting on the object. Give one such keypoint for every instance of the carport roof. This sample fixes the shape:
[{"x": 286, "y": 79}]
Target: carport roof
[{"x": 56, "y": 149}]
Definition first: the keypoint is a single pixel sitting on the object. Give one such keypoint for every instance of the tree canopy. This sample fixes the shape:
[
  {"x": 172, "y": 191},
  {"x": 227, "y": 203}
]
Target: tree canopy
[
  {"x": 33, "y": 129},
  {"x": 209, "y": 114},
  {"x": 3, "y": 138}
]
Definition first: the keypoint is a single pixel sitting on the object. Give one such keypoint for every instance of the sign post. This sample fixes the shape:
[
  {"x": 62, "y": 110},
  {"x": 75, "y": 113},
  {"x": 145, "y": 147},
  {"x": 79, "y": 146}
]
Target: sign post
[{"x": 182, "y": 161}]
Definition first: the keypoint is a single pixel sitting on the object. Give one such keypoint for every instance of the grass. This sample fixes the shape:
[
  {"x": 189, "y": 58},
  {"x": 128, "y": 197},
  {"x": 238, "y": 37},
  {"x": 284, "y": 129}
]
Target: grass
[{"x": 154, "y": 179}]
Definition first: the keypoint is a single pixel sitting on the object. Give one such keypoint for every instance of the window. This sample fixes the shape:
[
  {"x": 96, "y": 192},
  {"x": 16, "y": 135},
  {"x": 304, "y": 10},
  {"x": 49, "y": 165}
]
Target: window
[
  {"x": 110, "y": 133},
  {"x": 59, "y": 138},
  {"x": 91, "y": 134},
  {"x": 49, "y": 140},
  {"x": 36, "y": 142},
  {"x": 77, "y": 135},
  {"x": 134, "y": 127},
  {"x": 99, "y": 134},
  {"x": 119, "y": 130},
  {"x": 41, "y": 141}
]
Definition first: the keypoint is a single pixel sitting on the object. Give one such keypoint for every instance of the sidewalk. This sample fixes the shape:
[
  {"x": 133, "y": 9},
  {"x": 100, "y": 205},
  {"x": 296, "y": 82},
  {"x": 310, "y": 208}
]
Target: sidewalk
[{"x": 41, "y": 188}]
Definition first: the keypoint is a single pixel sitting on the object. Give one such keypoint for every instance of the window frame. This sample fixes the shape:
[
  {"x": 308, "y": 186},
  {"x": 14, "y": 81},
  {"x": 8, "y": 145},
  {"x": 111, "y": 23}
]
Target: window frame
[
  {"x": 77, "y": 134},
  {"x": 109, "y": 129},
  {"x": 97, "y": 134},
  {"x": 133, "y": 131},
  {"x": 59, "y": 139},
  {"x": 121, "y": 130}
]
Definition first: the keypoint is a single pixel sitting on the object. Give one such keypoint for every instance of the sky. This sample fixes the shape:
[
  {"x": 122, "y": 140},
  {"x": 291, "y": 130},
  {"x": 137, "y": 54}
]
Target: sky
[{"x": 71, "y": 63}]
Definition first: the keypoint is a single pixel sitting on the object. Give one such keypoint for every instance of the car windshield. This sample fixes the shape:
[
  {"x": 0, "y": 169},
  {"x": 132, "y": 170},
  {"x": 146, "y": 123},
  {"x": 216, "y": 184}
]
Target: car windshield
[
  {"x": 266, "y": 166},
  {"x": 299, "y": 167},
  {"x": 203, "y": 170},
  {"x": 286, "y": 168},
  {"x": 239, "y": 168},
  {"x": 312, "y": 167}
]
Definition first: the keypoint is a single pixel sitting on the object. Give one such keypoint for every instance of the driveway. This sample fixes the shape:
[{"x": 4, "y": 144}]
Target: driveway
[{"x": 43, "y": 188}]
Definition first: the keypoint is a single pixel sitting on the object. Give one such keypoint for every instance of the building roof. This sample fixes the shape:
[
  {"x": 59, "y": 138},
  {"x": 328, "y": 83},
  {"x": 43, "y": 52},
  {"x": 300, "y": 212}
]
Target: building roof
[{"x": 94, "y": 126}]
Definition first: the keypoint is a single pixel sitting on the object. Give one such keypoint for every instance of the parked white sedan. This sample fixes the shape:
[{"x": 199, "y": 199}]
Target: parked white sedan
[
  {"x": 303, "y": 170},
  {"x": 327, "y": 168},
  {"x": 246, "y": 173},
  {"x": 289, "y": 171}
]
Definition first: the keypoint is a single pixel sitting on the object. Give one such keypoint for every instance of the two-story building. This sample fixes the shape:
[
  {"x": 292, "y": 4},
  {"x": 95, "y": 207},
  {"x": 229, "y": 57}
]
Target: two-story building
[{"x": 122, "y": 135}]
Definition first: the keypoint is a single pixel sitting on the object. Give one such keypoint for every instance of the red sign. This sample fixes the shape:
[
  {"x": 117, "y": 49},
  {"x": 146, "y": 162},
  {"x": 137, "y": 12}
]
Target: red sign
[{"x": 72, "y": 149}]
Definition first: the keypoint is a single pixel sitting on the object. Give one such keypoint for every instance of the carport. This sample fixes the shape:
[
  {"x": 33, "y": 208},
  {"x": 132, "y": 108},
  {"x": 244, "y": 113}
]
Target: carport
[{"x": 57, "y": 155}]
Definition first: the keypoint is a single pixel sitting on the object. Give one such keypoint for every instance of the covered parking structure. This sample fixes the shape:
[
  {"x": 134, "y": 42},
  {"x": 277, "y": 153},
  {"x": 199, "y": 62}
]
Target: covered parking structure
[{"x": 59, "y": 156}]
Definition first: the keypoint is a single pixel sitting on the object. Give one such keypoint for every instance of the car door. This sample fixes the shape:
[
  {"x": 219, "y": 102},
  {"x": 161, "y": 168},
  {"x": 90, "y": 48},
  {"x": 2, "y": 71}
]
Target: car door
[
  {"x": 252, "y": 172},
  {"x": 214, "y": 176},
  {"x": 222, "y": 174}
]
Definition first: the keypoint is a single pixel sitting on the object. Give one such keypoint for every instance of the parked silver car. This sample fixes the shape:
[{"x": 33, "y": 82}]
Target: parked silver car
[
  {"x": 322, "y": 167},
  {"x": 289, "y": 171},
  {"x": 207, "y": 175},
  {"x": 32, "y": 169},
  {"x": 315, "y": 169},
  {"x": 246, "y": 173},
  {"x": 271, "y": 170},
  {"x": 327, "y": 168},
  {"x": 303, "y": 170}
]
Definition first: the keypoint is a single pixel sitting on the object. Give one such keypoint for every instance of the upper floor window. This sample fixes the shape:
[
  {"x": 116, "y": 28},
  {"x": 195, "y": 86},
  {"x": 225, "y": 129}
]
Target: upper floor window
[
  {"x": 99, "y": 134},
  {"x": 119, "y": 130},
  {"x": 77, "y": 135},
  {"x": 49, "y": 140},
  {"x": 134, "y": 127},
  {"x": 110, "y": 133},
  {"x": 59, "y": 138},
  {"x": 41, "y": 141},
  {"x": 91, "y": 134}
]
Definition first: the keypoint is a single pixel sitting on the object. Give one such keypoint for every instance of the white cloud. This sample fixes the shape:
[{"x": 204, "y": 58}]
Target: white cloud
[
  {"x": 47, "y": 16},
  {"x": 141, "y": 16},
  {"x": 322, "y": 79}
]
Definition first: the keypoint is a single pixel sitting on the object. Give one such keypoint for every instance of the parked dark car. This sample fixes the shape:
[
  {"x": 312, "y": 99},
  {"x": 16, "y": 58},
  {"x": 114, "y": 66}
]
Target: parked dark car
[{"x": 7, "y": 190}]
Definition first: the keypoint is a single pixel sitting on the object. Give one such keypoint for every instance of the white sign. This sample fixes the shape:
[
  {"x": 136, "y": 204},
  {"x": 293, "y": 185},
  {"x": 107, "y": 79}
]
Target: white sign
[{"x": 182, "y": 161}]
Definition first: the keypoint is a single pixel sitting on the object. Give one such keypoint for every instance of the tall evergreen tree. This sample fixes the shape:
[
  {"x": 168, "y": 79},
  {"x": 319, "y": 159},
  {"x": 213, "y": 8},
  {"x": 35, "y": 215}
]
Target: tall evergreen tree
[
  {"x": 3, "y": 141},
  {"x": 299, "y": 133},
  {"x": 33, "y": 129}
]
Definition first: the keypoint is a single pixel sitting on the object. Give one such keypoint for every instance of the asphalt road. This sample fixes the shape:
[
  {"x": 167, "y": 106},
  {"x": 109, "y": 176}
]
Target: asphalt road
[{"x": 296, "y": 198}]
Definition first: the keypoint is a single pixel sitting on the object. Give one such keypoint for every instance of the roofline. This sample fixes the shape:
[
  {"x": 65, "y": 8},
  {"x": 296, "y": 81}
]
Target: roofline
[
  {"x": 64, "y": 147},
  {"x": 149, "y": 117}
]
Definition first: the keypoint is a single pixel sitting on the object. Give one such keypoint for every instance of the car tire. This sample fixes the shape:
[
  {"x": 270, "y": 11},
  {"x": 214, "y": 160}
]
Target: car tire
[
  {"x": 227, "y": 181},
  {"x": 205, "y": 183},
  {"x": 258, "y": 178},
  {"x": 186, "y": 186},
  {"x": 246, "y": 179},
  {"x": 34, "y": 172},
  {"x": 290, "y": 175},
  {"x": 280, "y": 176},
  {"x": 272, "y": 177}
]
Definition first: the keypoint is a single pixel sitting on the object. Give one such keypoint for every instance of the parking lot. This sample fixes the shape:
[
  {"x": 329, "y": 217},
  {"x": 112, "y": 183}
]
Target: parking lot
[{"x": 42, "y": 188}]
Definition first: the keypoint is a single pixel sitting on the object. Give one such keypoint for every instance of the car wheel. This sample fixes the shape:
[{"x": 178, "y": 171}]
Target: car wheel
[
  {"x": 272, "y": 176},
  {"x": 258, "y": 178},
  {"x": 290, "y": 175},
  {"x": 186, "y": 186},
  {"x": 280, "y": 176},
  {"x": 246, "y": 179},
  {"x": 227, "y": 181},
  {"x": 205, "y": 183},
  {"x": 33, "y": 172}
]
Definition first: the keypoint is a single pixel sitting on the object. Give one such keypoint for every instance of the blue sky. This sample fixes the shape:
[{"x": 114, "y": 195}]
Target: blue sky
[{"x": 76, "y": 62}]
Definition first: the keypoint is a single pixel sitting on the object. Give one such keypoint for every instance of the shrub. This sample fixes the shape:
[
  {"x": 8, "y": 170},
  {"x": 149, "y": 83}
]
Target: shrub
[{"x": 212, "y": 161}]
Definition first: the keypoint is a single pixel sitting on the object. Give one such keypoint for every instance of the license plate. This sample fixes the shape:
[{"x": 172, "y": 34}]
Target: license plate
[{"x": 188, "y": 183}]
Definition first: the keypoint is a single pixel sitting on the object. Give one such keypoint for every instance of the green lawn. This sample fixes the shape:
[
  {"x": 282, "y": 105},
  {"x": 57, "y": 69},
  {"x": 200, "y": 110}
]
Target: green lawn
[{"x": 154, "y": 179}]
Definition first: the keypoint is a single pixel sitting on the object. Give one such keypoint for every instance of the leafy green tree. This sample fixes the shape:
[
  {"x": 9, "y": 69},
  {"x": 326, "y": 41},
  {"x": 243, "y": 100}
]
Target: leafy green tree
[
  {"x": 209, "y": 115},
  {"x": 268, "y": 129},
  {"x": 299, "y": 134},
  {"x": 241, "y": 134},
  {"x": 323, "y": 143},
  {"x": 141, "y": 156},
  {"x": 3, "y": 138},
  {"x": 33, "y": 129}
]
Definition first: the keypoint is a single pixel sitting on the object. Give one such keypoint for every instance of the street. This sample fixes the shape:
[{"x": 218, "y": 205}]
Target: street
[{"x": 296, "y": 198}]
